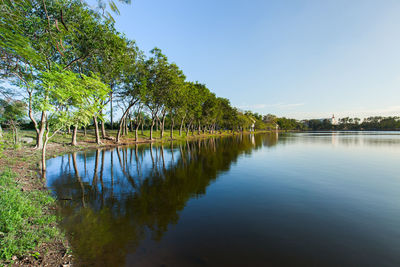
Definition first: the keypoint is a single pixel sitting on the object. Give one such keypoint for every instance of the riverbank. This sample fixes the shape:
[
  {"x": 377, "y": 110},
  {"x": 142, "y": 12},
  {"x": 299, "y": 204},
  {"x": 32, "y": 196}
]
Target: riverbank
[{"x": 19, "y": 170}]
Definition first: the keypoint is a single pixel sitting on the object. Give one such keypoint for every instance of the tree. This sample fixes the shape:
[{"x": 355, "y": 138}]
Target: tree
[
  {"x": 174, "y": 95},
  {"x": 67, "y": 99},
  {"x": 22, "y": 47},
  {"x": 88, "y": 103},
  {"x": 154, "y": 98},
  {"x": 12, "y": 113},
  {"x": 133, "y": 83}
]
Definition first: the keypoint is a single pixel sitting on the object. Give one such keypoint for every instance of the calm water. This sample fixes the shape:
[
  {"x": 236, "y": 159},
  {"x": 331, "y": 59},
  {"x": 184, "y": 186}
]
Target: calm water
[{"x": 304, "y": 199}]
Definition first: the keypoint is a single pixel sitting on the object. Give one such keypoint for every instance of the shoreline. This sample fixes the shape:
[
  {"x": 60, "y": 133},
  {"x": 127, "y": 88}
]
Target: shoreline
[{"x": 25, "y": 164}]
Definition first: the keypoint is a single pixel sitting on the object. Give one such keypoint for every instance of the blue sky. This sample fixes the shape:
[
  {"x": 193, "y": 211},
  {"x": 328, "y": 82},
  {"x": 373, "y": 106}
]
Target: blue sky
[{"x": 299, "y": 58}]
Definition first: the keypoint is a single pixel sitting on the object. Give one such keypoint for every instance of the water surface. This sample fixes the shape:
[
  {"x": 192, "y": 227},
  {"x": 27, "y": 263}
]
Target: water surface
[{"x": 299, "y": 199}]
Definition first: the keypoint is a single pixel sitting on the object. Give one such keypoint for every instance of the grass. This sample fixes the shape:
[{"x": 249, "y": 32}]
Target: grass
[
  {"x": 24, "y": 222},
  {"x": 65, "y": 138}
]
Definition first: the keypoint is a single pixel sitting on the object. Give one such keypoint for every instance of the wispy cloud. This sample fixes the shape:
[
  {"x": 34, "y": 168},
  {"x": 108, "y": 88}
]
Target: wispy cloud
[
  {"x": 275, "y": 106},
  {"x": 291, "y": 105},
  {"x": 360, "y": 112},
  {"x": 364, "y": 112}
]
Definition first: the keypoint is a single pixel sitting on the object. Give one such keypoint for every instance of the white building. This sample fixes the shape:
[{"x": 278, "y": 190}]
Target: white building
[{"x": 333, "y": 120}]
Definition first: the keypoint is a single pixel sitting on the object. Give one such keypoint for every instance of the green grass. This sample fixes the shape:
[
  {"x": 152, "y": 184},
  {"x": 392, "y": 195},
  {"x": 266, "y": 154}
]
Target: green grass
[
  {"x": 23, "y": 221},
  {"x": 65, "y": 138}
]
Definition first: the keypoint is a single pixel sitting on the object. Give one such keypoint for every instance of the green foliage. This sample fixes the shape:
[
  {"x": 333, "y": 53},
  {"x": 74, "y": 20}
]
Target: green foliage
[
  {"x": 289, "y": 124},
  {"x": 65, "y": 53},
  {"x": 316, "y": 125},
  {"x": 69, "y": 98},
  {"x": 12, "y": 110},
  {"x": 12, "y": 114},
  {"x": 60, "y": 44},
  {"x": 346, "y": 123},
  {"x": 23, "y": 222},
  {"x": 36, "y": 255}
]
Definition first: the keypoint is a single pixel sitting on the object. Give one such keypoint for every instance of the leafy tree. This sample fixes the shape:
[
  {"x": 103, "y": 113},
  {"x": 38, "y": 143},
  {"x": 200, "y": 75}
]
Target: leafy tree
[
  {"x": 67, "y": 99},
  {"x": 12, "y": 113},
  {"x": 175, "y": 93}
]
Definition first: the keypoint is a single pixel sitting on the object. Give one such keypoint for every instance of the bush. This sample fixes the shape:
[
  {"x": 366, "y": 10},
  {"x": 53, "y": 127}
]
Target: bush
[{"x": 23, "y": 223}]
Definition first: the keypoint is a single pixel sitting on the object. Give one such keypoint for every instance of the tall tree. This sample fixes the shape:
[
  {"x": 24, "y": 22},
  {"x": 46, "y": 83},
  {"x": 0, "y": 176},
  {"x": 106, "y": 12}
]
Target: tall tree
[{"x": 67, "y": 99}]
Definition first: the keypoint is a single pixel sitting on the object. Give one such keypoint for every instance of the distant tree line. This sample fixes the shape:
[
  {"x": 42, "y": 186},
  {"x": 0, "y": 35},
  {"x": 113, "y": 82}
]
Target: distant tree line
[{"x": 377, "y": 123}]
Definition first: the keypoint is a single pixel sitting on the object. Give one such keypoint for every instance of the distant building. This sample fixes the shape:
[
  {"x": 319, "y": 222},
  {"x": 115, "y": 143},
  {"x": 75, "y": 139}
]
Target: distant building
[
  {"x": 333, "y": 120},
  {"x": 253, "y": 125}
]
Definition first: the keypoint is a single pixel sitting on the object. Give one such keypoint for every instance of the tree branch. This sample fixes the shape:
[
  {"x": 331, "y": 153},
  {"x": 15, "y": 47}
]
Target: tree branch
[{"x": 76, "y": 60}]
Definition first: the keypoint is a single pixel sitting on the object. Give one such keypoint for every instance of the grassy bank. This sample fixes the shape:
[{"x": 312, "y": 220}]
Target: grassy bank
[
  {"x": 25, "y": 220},
  {"x": 143, "y": 137},
  {"x": 29, "y": 234}
]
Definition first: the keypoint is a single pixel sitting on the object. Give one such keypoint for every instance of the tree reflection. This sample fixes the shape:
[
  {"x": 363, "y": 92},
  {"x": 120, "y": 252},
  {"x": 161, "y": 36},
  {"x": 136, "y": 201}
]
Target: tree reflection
[{"x": 140, "y": 194}]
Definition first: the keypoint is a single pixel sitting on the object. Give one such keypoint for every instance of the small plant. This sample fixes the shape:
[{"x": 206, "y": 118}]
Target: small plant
[
  {"x": 17, "y": 146},
  {"x": 36, "y": 255}
]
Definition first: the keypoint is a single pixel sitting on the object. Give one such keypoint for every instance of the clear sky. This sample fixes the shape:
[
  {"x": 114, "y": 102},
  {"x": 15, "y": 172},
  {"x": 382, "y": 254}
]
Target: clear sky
[{"x": 299, "y": 58}]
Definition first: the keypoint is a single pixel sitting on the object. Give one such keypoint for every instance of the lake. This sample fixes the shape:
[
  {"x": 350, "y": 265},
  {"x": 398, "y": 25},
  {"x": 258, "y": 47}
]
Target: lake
[{"x": 292, "y": 199}]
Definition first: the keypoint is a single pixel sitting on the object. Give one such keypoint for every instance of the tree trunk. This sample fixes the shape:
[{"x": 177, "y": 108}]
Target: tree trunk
[
  {"x": 75, "y": 130},
  {"x": 46, "y": 139},
  {"x": 44, "y": 158},
  {"x": 172, "y": 128},
  {"x": 103, "y": 130},
  {"x": 84, "y": 131},
  {"x": 122, "y": 126},
  {"x": 162, "y": 126},
  {"x": 180, "y": 127},
  {"x": 142, "y": 127},
  {"x": 136, "y": 133},
  {"x": 14, "y": 134},
  {"x": 111, "y": 106},
  {"x": 119, "y": 131},
  {"x": 40, "y": 132},
  {"x": 131, "y": 124},
  {"x": 199, "y": 129},
  {"x": 151, "y": 129},
  {"x": 188, "y": 129},
  {"x": 30, "y": 112},
  {"x": 126, "y": 126},
  {"x": 121, "y": 123},
  {"x": 96, "y": 130}
]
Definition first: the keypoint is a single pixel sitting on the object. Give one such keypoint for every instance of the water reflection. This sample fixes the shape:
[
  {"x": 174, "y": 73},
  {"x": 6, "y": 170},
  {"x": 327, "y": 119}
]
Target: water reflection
[
  {"x": 111, "y": 199},
  {"x": 303, "y": 199},
  {"x": 387, "y": 139}
]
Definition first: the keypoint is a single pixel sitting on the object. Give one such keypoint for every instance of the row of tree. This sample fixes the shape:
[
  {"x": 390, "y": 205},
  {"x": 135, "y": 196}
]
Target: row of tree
[
  {"x": 377, "y": 123},
  {"x": 67, "y": 62}
]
